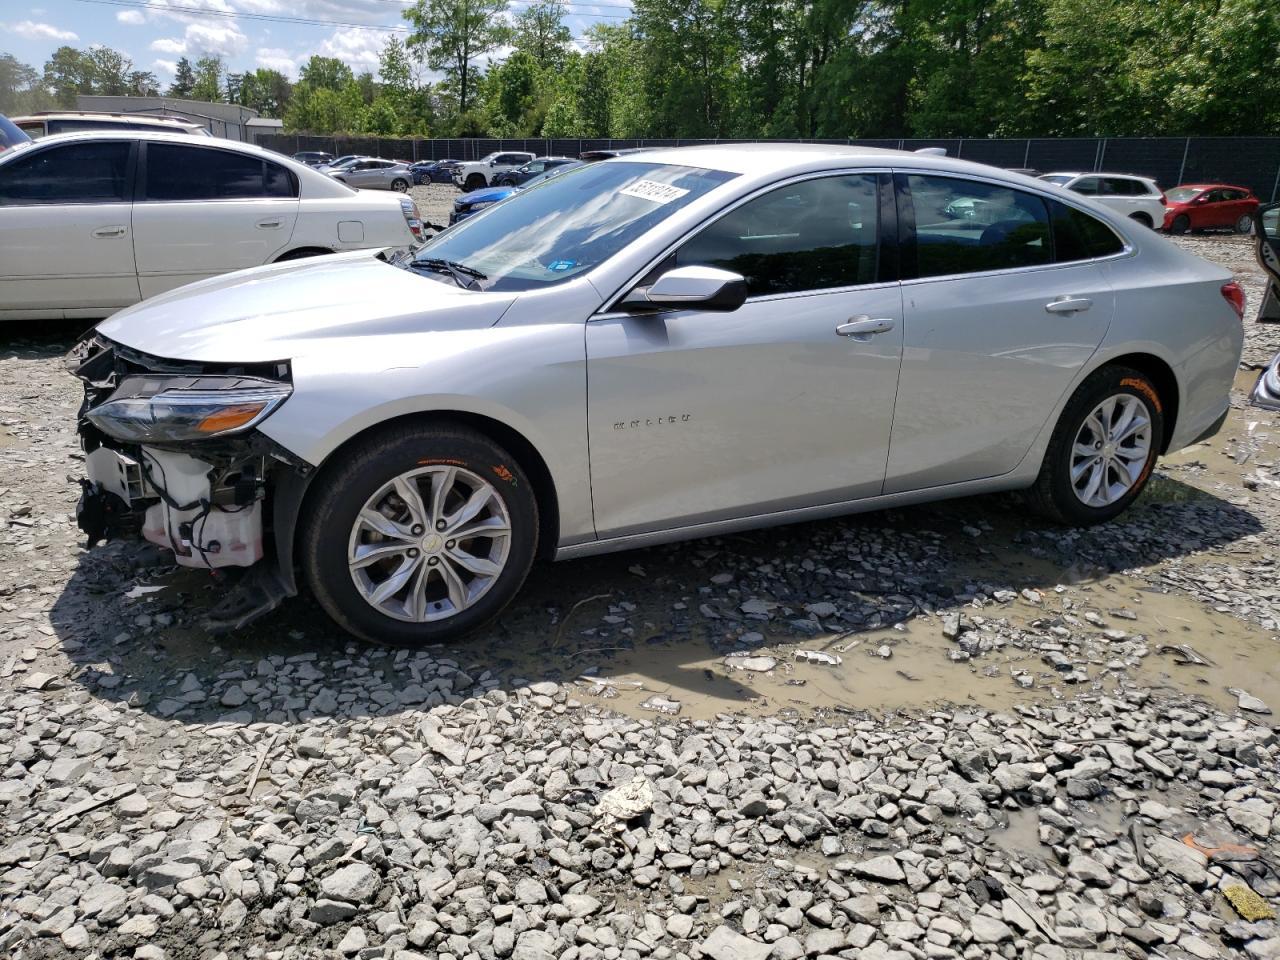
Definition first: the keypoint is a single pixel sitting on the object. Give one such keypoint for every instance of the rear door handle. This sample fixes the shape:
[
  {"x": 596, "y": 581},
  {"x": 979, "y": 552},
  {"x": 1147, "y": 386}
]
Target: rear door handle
[
  {"x": 109, "y": 233},
  {"x": 270, "y": 224},
  {"x": 1068, "y": 305},
  {"x": 864, "y": 327}
]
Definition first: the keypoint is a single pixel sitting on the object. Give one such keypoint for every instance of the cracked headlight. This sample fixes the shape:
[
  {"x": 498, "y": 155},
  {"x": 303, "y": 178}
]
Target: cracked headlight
[
  {"x": 481, "y": 205},
  {"x": 149, "y": 410}
]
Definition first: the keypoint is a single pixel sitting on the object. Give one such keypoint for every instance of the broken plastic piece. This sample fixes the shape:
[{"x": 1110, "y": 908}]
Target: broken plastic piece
[{"x": 819, "y": 656}]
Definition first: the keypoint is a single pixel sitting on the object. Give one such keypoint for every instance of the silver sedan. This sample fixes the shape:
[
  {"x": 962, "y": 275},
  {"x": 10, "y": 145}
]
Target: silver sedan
[
  {"x": 676, "y": 344},
  {"x": 372, "y": 173}
]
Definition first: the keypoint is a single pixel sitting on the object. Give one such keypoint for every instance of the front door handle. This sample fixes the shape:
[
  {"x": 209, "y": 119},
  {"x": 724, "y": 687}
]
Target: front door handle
[
  {"x": 110, "y": 233},
  {"x": 270, "y": 224},
  {"x": 864, "y": 326},
  {"x": 1068, "y": 305}
]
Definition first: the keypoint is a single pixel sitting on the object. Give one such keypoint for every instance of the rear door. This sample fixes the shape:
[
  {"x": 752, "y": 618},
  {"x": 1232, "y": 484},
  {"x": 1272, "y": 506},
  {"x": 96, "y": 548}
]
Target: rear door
[
  {"x": 65, "y": 222},
  {"x": 203, "y": 211},
  {"x": 1000, "y": 313}
]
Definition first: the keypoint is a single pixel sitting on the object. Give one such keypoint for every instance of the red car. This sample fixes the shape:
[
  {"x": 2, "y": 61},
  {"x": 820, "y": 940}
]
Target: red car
[{"x": 1208, "y": 206}]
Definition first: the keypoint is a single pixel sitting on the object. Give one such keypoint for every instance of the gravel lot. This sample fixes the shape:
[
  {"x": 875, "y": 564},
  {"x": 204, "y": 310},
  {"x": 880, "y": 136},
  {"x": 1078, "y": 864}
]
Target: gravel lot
[{"x": 939, "y": 732}]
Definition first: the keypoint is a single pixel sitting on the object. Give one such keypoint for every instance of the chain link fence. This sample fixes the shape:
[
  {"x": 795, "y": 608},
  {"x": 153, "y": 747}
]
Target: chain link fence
[{"x": 1252, "y": 162}]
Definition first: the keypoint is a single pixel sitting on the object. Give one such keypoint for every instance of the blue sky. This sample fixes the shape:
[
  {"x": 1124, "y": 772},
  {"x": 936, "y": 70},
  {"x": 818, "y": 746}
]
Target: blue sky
[{"x": 155, "y": 33}]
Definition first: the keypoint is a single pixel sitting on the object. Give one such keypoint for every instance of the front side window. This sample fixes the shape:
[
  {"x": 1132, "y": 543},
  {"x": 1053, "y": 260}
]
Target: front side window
[
  {"x": 1183, "y": 194},
  {"x": 967, "y": 226},
  {"x": 177, "y": 172},
  {"x": 1121, "y": 187},
  {"x": 570, "y": 223},
  {"x": 812, "y": 235},
  {"x": 88, "y": 172}
]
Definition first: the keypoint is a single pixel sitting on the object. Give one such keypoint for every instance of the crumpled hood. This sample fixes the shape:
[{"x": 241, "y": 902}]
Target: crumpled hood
[{"x": 285, "y": 311}]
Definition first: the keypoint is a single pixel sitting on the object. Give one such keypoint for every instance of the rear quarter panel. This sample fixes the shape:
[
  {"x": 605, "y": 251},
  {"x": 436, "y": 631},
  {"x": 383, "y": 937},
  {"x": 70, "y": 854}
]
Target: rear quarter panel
[{"x": 381, "y": 221}]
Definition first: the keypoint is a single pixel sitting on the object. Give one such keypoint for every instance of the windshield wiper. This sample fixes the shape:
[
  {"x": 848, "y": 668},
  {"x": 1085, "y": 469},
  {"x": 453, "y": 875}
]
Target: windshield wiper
[{"x": 466, "y": 277}]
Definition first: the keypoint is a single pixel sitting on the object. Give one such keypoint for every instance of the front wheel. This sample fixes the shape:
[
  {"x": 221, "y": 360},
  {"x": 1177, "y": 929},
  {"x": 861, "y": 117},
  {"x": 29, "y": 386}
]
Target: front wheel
[
  {"x": 1181, "y": 224},
  {"x": 400, "y": 185},
  {"x": 419, "y": 535},
  {"x": 1245, "y": 224},
  {"x": 1103, "y": 449}
]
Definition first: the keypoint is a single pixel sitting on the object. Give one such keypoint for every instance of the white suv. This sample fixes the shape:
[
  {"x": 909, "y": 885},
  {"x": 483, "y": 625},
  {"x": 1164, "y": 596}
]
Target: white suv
[
  {"x": 93, "y": 222},
  {"x": 480, "y": 173},
  {"x": 1135, "y": 197}
]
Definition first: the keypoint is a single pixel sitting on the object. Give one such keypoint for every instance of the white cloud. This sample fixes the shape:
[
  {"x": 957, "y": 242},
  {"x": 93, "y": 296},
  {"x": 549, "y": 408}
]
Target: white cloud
[
  {"x": 169, "y": 45},
  {"x": 207, "y": 38},
  {"x": 165, "y": 66},
  {"x": 274, "y": 58},
  {"x": 356, "y": 47},
  {"x": 38, "y": 31},
  {"x": 133, "y": 17}
]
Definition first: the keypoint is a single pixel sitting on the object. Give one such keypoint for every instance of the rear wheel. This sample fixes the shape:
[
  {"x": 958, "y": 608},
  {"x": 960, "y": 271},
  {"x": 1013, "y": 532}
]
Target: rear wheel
[
  {"x": 1245, "y": 224},
  {"x": 419, "y": 535},
  {"x": 1103, "y": 449},
  {"x": 1181, "y": 224}
]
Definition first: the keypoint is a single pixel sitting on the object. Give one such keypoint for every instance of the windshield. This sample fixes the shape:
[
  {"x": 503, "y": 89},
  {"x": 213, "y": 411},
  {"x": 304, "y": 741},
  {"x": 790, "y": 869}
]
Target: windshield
[
  {"x": 570, "y": 223},
  {"x": 10, "y": 135},
  {"x": 1183, "y": 194},
  {"x": 1057, "y": 178}
]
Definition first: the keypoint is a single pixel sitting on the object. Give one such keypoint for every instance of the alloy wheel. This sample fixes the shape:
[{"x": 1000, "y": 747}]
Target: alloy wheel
[
  {"x": 1111, "y": 450},
  {"x": 429, "y": 544}
]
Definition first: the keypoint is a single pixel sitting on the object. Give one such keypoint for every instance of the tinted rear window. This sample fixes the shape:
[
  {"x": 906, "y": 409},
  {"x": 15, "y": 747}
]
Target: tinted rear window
[
  {"x": 176, "y": 172},
  {"x": 1078, "y": 236}
]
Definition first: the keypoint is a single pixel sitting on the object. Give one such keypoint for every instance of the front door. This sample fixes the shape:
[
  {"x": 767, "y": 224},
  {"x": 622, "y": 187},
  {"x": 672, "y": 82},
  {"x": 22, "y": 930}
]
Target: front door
[
  {"x": 696, "y": 416},
  {"x": 204, "y": 211},
  {"x": 1004, "y": 308},
  {"x": 65, "y": 215},
  {"x": 1266, "y": 229}
]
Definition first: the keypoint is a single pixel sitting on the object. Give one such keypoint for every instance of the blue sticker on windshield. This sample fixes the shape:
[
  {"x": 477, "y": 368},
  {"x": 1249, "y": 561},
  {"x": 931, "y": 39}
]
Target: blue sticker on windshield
[{"x": 559, "y": 266}]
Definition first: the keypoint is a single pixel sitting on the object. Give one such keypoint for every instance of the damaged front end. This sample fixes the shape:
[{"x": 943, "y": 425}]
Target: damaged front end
[{"x": 172, "y": 454}]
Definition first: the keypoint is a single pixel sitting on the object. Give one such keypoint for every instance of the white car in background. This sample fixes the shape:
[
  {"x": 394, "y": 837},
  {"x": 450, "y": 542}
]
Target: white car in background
[
  {"x": 93, "y": 222},
  {"x": 481, "y": 173},
  {"x": 40, "y": 125},
  {"x": 1138, "y": 198}
]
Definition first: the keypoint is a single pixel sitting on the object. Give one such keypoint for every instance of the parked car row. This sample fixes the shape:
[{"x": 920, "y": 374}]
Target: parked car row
[{"x": 1195, "y": 206}]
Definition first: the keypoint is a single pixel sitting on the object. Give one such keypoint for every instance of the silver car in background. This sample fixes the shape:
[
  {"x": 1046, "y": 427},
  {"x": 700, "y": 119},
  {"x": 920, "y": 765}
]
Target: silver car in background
[
  {"x": 372, "y": 173},
  {"x": 769, "y": 333}
]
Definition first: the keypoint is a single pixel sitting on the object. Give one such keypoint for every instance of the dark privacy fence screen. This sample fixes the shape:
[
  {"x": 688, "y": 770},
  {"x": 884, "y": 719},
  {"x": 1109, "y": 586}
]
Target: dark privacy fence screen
[{"x": 1252, "y": 162}]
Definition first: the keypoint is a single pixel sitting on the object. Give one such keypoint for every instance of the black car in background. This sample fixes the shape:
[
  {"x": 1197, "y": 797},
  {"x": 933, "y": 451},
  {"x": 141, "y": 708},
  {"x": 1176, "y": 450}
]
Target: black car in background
[
  {"x": 527, "y": 171},
  {"x": 433, "y": 171},
  {"x": 313, "y": 158}
]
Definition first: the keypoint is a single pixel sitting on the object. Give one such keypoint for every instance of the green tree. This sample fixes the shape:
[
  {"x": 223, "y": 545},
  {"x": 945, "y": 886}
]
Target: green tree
[
  {"x": 21, "y": 87},
  {"x": 67, "y": 73},
  {"x": 208, "y": 85},
  {"x": 184, "y": 80},
  {"x": 450, "y": 35},
  {"x": 142, "y": 83},
  {"x": 540, "y": 32},
  {"x": 263, "y": 89},
  {"x": 328, "y": 73}
]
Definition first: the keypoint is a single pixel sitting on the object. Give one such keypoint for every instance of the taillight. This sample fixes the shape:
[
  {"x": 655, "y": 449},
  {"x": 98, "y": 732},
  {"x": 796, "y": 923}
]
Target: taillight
[
  {"x": 1233, "y": 293},
  {"x": 412, "y": 217},
  {"x": 1164, "y": 201}
]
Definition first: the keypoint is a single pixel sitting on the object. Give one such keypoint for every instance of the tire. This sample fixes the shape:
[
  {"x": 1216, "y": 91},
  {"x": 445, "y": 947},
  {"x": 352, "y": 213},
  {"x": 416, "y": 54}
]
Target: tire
[
  {"x": 1141, "y": 218},
  {"x": 400, "y": 185},
  {"x": 1055, "y": 495},
  {"x": 424, "y": 608},
  {"x": 1181, "y": 224},
  {"x": 1245, "y": 224},
  {"x": 302, "y": 254},
  {"x": 474, "y": 181}
]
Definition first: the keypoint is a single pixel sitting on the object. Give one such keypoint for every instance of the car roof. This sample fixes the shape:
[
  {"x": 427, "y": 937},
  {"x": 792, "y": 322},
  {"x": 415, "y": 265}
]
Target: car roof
[
  {"x": 1095, "y": 173},
  {"x": 100, "y": 115},
  {"x": 161, "y": 136},
  {"x": 762, "y": 159},
  {"x": 1211, "y": 186}
]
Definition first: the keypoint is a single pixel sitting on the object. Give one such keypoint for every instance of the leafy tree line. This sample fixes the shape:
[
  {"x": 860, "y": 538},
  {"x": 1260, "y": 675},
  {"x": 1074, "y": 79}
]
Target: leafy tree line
[{"x": 759, "y": 68}]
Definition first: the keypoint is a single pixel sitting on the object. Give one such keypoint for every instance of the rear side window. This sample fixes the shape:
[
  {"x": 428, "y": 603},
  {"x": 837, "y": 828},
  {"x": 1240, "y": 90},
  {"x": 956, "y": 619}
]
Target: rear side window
[
  {"x": 1078, "y": 236},
  {"x": 93, "y": 172},
  {"x": 176, "y": 172},
  {"x": 813, "y": 235},
  {"x": 967, "y": 226},
  {"x": 1089, "y": 186}
]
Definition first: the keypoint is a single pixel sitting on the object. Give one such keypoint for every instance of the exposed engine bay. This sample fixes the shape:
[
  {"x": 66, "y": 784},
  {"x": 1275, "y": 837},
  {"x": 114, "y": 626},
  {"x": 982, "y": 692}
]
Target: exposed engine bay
[{"x": 171, "y": 455}]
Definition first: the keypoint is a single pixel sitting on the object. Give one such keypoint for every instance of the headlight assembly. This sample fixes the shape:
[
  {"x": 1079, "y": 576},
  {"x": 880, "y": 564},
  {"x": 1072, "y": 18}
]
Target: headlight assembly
[
  {"x": 179, "y": 409},
  {"x": 481, "y": 205}
]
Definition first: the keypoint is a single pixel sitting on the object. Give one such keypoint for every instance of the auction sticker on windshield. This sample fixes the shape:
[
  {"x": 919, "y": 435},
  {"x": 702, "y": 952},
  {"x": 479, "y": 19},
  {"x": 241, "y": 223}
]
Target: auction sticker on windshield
[{"x": 652, "y": 190}]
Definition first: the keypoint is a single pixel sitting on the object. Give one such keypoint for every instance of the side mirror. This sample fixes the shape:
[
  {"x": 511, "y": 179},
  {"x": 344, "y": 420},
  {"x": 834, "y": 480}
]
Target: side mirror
[{"x": 692, "y": 287}]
